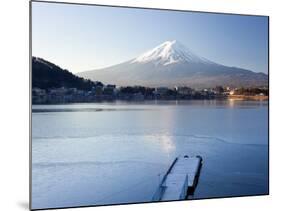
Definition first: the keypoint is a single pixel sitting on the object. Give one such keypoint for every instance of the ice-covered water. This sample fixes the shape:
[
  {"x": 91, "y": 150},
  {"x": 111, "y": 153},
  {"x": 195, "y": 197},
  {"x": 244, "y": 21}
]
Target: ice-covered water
[{"x": 108, "y": 153}]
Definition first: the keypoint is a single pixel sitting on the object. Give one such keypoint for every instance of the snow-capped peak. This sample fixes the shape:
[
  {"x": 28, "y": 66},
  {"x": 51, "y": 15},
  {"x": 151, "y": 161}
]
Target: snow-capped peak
[{"x": 170, "y": 52}]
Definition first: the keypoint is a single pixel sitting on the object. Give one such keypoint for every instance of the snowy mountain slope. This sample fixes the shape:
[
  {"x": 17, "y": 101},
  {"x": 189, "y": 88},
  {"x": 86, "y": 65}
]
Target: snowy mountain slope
[
  {"x": 170, "y": 52},
  {"x": 171, "y": 64}
]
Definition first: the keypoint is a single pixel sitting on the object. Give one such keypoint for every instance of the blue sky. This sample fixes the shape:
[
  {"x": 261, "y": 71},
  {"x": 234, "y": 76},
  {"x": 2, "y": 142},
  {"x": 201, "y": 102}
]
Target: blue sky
[{"x": 79, "y": 37}]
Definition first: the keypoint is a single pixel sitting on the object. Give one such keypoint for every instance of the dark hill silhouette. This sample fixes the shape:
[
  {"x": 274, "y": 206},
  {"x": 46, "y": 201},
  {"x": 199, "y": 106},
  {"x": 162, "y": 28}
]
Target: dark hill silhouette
[{"x": 47, "y": 75}]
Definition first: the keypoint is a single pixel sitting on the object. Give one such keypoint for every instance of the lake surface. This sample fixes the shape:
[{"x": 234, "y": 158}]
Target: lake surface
[{"x": 108, "y": 153}]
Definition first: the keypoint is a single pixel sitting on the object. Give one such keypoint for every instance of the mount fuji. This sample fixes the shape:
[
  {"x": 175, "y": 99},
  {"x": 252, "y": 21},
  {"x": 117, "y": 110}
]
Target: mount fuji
[{"x": 172, "y": 64}]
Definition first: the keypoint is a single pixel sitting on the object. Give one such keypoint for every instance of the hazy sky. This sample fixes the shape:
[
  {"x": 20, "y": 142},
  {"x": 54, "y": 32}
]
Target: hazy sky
[{"x": 79, "y": 37}]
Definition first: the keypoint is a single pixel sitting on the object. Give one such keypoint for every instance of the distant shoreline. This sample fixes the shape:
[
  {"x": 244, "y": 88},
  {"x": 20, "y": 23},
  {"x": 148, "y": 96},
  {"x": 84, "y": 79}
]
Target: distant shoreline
[
  {"x": 230, "y": 97},
  {"x": 248, "y": 97}
]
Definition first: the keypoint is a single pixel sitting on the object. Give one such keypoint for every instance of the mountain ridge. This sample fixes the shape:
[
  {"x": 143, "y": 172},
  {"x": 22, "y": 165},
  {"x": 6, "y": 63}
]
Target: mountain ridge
[{"x": 172, "y": 64}]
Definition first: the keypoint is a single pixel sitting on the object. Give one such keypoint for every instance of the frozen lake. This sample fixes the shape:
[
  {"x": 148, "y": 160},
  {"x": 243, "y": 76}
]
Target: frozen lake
[{"x": 108, "y": 153}]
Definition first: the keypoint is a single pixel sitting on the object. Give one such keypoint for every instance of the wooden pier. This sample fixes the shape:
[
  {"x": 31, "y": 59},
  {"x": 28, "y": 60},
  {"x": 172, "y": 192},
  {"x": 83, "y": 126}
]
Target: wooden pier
[{"x": 180, "y": 180}]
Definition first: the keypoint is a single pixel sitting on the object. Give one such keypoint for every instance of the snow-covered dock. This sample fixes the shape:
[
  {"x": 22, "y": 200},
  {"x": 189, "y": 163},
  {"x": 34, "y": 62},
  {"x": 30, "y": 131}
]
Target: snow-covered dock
[{"x": 180, "y": 180}]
